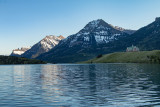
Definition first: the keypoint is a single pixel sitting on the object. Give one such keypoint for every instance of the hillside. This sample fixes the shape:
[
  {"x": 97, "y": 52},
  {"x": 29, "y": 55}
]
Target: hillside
[
  {"x": 18, "y": 60},
  {"x": 128, "y": 57}
]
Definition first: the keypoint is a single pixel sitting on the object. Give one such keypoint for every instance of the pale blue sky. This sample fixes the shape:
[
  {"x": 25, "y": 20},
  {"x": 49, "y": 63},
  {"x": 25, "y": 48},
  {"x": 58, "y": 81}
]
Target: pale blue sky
[{"x": 25, "y": 22}]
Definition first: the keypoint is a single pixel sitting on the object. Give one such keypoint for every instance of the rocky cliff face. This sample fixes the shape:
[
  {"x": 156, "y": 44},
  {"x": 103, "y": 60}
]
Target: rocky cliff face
[{"x": 45, "y": 45}]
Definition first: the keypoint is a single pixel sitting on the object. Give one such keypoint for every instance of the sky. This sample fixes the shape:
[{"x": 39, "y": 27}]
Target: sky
[{"x": 25, "y": 22}]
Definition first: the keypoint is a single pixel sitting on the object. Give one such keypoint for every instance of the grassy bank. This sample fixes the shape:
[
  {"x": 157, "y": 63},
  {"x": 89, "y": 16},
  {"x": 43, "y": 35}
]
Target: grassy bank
[
  {"x": 128, "y": 57},
  {"x": 17, "y": 60}
]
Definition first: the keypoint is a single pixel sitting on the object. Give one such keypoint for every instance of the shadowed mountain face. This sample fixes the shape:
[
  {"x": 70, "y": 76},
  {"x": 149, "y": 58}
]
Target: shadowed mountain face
[
  {"x": 148, "y": 37},
  {"x": 43, "y": 46},
  {"x": 95, "y": 38}
]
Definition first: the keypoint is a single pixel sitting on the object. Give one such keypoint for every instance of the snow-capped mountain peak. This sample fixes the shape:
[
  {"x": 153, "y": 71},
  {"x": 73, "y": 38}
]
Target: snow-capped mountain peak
[
  {"x": 18, "y": 52},
  {"x": 45, "y": 45},
  {"x": 95, "y": 32},
  {"x": 49, "y": 42},
  {"x": 94, "y": 23},
  {"x": 95, "y": 37}
]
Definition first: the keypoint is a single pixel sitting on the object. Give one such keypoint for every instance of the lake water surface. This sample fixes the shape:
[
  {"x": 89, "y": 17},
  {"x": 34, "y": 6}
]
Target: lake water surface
[{"x": 88, "y": 85}]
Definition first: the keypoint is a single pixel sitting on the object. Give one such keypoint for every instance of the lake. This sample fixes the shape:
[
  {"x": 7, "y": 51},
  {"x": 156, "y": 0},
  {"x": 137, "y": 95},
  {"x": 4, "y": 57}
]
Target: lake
[{"x": 80, "y": 85}]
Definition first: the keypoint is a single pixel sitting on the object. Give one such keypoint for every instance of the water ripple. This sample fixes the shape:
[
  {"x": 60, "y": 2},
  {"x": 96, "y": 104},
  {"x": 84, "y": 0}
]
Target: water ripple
[{"x": 94, "y": 85}]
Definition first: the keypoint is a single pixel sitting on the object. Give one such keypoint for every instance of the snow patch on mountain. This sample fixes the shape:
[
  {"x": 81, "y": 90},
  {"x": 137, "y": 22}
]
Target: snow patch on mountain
[
  {"x": 99, "y": 30},
  {"x": 18, "y": 52},
  {"x": 94, "y": 23},
  {"x": 86, "y": 38},
  {"x": 49, "y": 42},
  {"x": 102, "y": 32},
  {"x": 101, "y": 39}
]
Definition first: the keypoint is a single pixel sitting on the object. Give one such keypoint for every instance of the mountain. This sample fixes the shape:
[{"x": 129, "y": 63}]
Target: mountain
[
  {"x": 128, "y": 31},
  {"x": 43, "y": 46},
  {"x": 146, "y": 38},
  {"x": 95, "y": 38},
  {"x": 19, "y": 52}
]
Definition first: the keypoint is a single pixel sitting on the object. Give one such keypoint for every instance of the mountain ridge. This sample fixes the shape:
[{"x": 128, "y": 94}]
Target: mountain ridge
[
  {"x": 42, "y": 46},
  {"x": 98, "y": 37},
  {"x": 88, "y": 40},
  {"x": 147, "y": 37},
  {"x": 18, "y": 52}
]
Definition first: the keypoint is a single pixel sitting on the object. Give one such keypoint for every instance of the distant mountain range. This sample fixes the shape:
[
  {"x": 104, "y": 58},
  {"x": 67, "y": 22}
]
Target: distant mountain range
[
  {"x": 93, "y": 39},
  {"x": 19, "y": 52},
  {"x": 97, "y": 37},
  {"x": 42, "y": 46},
  {"x": 128, "y": 31}
]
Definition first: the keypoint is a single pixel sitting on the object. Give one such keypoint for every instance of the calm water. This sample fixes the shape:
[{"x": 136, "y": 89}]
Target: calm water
[{"x": 99, "y": 85}]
